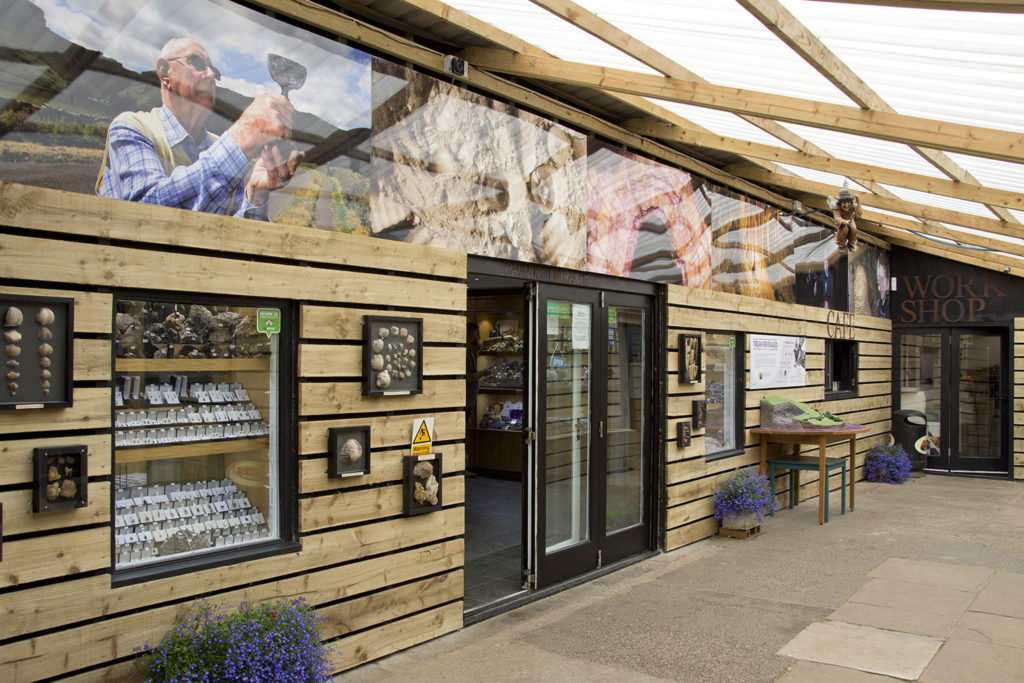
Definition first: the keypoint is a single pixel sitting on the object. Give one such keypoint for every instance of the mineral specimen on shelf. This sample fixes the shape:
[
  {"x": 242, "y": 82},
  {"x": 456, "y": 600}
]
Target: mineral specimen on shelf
[
  {"x": 377, "y": 345},
  {"x": 394, "y": 330},
  {"x": 129, "y": 335},
  {"x": 12, "y": 350},
  {"x": 384, "y": 332},
  {"x": 13, "y": 375},
  {"x": 383, "y": 380},
  {"x": 409, "y": 339},
  {"x": 52, "y": 491},
  {"x": 404, "y": 332},
  {"x": 183, "y": 540},
  {"x": 13, "y": 363},
  {"x": 45, "y": 374},
  {"x": 12, "y": 387},
  {"x": 52, "y": 473},
  {"x": 352, "y": 450},
  {"x": 45, "y": 316},
  {"x": 44, "y": 334},
  {"x": 13, "y": 317},
  {"x": 12, "y": 336},
  {"x": 377, "y": 362},
  {"x": 45, "y": 349},
  {"x": 68, "y": 488}
]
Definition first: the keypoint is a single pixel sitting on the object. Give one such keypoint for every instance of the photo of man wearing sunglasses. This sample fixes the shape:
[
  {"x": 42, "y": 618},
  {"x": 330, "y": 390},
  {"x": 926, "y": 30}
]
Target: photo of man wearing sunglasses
[{"x": 167, "y": 156}]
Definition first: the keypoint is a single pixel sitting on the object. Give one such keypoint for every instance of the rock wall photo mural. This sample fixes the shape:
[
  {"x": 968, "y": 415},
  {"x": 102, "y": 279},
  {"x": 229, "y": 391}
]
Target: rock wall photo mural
[
  {"x": 646, "y": 220},
  {"x": 458, "y": 170}
]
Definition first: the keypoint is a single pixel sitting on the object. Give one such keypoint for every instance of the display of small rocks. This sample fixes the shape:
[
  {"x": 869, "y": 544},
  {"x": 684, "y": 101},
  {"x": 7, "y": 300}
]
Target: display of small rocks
[
  {"x": 162, "y": 330},
  {"x": 392, "y": 356},
  {"x": 13, "y": 318},
  {"x": 61, "y": 478}
]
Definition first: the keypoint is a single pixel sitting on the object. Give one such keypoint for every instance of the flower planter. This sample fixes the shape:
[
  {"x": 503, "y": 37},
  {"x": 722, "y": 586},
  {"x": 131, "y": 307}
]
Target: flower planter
[{"x": 741, "y": 521}]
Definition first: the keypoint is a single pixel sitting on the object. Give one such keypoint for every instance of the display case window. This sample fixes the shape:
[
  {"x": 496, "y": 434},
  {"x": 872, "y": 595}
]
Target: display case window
[
  {"x": 723, "y": 386},
  {"x": 198, "y": 431},
  {"x": 840, "y": 368}
]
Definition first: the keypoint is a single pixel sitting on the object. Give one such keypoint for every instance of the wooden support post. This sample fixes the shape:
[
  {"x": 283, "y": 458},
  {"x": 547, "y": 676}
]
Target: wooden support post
[{"x": 853, "y": 471}]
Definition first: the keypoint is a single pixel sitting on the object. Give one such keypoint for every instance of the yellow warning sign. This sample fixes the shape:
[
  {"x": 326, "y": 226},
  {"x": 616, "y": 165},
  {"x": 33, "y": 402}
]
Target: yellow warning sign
[{"x": 422, "y": 436}]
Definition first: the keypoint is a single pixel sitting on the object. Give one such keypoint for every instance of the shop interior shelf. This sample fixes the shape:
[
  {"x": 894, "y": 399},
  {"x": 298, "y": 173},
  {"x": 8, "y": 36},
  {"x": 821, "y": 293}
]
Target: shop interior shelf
[
  {"x": 192, "y": 364},
  {"x": 502, "y": 390},
  {"x": 190, "y": 450},
  {"x": 499, "y": 431},
  {"x": 506, "y": 352}
]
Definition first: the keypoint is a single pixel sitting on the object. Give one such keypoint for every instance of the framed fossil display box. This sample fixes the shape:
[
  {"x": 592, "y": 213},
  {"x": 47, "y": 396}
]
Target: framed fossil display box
[
  {"x": 421, "y": 484},
  {"x": 348, "y": 451},
  {"x": 689, "y": 358},
  {"x": 392, "y": 356},
  {"x": 61, "y": 478},
  {"x": 38, "y": 351}
]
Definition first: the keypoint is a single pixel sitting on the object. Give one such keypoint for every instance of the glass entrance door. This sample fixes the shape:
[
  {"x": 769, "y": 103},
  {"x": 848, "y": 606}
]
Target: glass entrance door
[
  {"x": 593, "y": 430},
  {"x": 958, "y": 379}
]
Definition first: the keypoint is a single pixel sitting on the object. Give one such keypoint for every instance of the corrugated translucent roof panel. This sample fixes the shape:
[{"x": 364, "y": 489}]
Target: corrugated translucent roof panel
[
  {"x": 955, "y": 66},
  {"x": 992, "y": 173},
  {"x": 722, "y": 123},
  {"x": 867, "y": 150},
  {"x": 941, "y": 202}
]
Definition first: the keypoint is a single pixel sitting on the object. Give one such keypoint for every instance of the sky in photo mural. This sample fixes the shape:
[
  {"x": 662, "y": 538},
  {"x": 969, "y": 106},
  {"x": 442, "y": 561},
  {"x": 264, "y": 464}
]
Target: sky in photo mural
[{"x": 69, "y": 67}]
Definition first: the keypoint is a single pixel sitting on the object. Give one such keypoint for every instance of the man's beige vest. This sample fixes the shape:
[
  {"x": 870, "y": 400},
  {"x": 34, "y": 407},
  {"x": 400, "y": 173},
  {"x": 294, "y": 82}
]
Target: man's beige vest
[{"x": 149, "y": 125}]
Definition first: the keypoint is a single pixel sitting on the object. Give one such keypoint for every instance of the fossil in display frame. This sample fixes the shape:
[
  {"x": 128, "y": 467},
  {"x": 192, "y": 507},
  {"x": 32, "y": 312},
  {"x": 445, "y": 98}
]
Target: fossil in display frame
[
  {"x": 348, "y": 451},
  {"x": 38, "y": 351},
  {"x": 421, "y": 484},
  {"x": 61, "y": 478},
  {"x": 690, "y": 352},
  {"x": 392, "y": 356}
]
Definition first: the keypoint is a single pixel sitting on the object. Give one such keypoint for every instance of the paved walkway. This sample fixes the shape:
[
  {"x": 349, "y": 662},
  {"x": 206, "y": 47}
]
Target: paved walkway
[{"x": 925, "y": 581}]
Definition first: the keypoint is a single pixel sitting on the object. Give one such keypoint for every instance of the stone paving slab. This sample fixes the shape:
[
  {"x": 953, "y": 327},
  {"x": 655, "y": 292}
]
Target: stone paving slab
[
  {"x": 813, "y": 672},
  {"x": 920, "y": 622},
  {"x": 942, "y": 574},
  {"x": 990, "y": 628},
  {"x": 1004, "y": 595},
  {"x": 890, "y": 653},
  {"x": 963, "y": 661},
  {"x": 914, "y": 598}
]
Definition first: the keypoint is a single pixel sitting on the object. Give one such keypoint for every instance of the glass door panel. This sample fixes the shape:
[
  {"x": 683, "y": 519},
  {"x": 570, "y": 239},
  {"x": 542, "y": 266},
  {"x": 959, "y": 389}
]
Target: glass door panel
[
  {"x": 921, "y": 382},
  {"x": 979, "y": 395},
  {"x": 624, "y": 463},
  {"x": 567, "y": 417}
]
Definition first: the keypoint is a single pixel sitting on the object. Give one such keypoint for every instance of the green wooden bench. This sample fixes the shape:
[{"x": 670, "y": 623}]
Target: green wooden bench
[{"x": 796, "y": 463}]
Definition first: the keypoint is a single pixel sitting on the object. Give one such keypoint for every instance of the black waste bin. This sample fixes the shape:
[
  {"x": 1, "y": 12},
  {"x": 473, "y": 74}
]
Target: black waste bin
[{"x": 908, "y": 426}]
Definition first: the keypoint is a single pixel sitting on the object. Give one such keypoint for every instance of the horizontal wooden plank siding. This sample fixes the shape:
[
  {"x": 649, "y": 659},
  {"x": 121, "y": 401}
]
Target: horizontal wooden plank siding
[
  {"x": 378, "y": 579},
  {"x": 690, "y": 478}
]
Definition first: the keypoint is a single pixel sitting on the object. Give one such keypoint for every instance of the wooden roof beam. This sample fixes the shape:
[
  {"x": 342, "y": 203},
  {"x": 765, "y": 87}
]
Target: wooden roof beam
[
  {"x": 852, "y": 169},
  {"x": 1005, "y": 7},
  {"x": 923, "y": 211},
  {"x": 957, "y": 137},
  {"x": 802, "y": 40}
]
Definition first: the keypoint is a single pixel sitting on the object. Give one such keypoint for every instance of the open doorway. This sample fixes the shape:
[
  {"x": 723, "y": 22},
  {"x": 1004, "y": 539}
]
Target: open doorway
[{"x": 497, "y": 370}]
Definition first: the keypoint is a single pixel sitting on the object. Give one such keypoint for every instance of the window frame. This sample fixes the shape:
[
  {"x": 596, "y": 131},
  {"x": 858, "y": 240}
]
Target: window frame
[
  {"x": 288, "y": 540},
  {"x": 739, "y": 421},
  {"x": 854, "y": 390}
]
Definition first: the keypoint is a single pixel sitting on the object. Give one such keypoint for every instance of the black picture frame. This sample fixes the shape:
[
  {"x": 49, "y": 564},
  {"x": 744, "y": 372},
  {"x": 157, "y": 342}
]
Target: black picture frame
[
  {"x": 690, "y": 358},
  {"x": 339, "y": 464},
  {"x": 40, "y": 379},
  {"x": 411, "y": 506},
  {"x": 70, "y": 465},
  {"x": 684, "y": 435},
  {"x": 413, "y": 356},
  {"x": 699, "y": 416}
]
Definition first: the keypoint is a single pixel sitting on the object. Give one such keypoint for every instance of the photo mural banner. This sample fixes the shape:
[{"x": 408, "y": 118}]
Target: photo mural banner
[{"x": 205, "y": 105}]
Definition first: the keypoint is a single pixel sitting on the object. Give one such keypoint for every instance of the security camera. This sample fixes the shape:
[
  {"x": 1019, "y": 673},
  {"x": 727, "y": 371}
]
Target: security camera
[{"x": 456, "y": 66}]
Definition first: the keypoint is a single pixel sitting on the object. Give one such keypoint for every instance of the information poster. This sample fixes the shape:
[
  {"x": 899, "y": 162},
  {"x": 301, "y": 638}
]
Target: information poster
[{"x": 777, "y": 362}]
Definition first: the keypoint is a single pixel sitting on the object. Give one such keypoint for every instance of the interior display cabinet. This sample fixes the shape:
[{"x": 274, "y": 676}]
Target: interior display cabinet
[{"x": 199, "y": 431}]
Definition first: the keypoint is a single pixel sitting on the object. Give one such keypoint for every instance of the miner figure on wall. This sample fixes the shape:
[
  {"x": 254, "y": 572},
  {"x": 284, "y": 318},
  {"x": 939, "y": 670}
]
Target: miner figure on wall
[
  {"x": 166, "y": 156},
  {"x": 845, "y": 209}
]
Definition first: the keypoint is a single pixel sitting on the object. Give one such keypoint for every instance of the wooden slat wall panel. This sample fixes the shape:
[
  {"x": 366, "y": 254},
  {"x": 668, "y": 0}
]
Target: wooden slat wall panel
[
  {"x": 690, "y": 478},
  {"x": 378, "y": 578},
  {"x": 1017, "y": 368}
]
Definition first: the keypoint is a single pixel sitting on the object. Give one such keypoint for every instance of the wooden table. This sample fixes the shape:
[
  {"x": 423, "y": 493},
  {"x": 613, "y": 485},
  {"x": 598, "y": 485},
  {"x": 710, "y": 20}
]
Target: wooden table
[{"x": 821, "y": 436}]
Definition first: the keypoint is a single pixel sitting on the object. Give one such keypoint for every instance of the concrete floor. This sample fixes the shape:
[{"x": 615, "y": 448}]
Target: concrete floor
[{"x": 722, "y": 609}]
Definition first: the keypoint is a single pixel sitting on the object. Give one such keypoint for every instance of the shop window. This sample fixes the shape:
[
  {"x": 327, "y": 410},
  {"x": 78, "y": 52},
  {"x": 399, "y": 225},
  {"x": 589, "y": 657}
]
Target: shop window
[
  {"x": 723, "y": 386},
  {"x": 840, "y": 368},
  {"x": 199, "y": 431}
]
